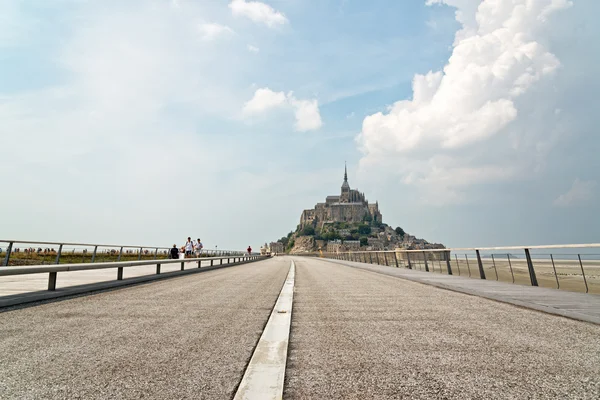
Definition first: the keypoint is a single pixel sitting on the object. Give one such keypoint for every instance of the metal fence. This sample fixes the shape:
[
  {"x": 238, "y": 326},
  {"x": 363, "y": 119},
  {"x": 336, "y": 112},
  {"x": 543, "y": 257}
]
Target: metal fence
[
  {"x": 21, "y": 252},
  {"x": 573, "y": 267},
  {"x": 52, "y": 270}
]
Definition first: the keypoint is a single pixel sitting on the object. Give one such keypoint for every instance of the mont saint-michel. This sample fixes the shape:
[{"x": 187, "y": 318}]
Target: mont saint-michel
[
  {"x": 346, "y": 221},
  {"x": 349, "y": 206}
]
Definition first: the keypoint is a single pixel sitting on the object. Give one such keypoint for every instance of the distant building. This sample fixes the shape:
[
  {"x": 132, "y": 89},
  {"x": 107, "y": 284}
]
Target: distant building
[
  {"x": 334, "y": 246},
  {"x": 350, "y": 206},
  {"x": 351, "y": 245},
  {"x": 276, "y": 247}
]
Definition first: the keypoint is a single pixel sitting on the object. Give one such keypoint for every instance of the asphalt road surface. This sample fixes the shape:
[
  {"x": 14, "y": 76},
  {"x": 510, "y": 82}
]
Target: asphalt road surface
[
  {"x": 181, "y": 338},
  {"x": 361, "y": 335},
  {"x": 355, "y": 334}
]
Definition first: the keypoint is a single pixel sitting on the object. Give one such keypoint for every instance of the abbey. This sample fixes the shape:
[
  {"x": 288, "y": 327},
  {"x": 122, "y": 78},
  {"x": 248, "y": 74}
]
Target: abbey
[{"x": 349, "y": 206}]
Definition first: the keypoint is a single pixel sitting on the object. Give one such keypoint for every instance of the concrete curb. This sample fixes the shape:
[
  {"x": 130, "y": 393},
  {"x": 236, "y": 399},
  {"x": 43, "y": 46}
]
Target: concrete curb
[
  {"x": 90, "y": 288},
  {"x": 265, "y": 374}
]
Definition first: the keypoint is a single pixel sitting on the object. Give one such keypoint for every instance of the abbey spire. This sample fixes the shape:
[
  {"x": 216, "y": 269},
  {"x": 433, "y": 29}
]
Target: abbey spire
[
  {"x": 346, "y": 185},
  {"x": 345, "y": 173}
]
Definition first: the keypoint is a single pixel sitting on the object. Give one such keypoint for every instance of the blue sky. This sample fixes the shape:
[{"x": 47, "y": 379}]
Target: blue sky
[{"x": 472, "y": 122}]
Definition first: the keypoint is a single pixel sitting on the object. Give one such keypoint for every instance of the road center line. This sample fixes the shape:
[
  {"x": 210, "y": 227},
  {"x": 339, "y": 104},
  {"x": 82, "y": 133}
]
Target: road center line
[{"x": 264, "y": 376}]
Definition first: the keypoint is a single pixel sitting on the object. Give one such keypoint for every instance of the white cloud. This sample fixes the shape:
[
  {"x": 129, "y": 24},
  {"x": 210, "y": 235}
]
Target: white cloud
[
  {"x": 258, "y": 12},
  {"x": 263, "y": 100},
  {"x": 211, "y": 31},
  {"x": 307, "y": 112},
  {"x": 580, "y": 193},
  {"x": 498, "y": 57},
  {"x": 253, "y": 49}
]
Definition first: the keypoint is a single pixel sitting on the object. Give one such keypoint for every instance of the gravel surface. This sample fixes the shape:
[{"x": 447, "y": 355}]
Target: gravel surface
[
  {"x": 188, "y": 337},
  {"x": 362, "y": 335}
]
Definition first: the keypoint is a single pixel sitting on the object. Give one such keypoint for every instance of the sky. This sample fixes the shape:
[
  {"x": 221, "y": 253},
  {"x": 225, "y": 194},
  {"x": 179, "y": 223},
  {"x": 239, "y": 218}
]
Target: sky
[{"x": 471, "y": 122}]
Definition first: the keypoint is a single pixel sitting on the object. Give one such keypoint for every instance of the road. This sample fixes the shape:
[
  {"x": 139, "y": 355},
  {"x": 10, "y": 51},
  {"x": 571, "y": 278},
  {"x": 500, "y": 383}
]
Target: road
[
  {"x": 181, "y": 338},
  {"x": 361, "y": 335},
  {"x": 355, "y": 334}
]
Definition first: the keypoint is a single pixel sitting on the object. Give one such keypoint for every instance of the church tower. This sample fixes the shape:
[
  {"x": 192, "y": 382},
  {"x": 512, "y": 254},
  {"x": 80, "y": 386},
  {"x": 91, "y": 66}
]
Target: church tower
[{"x": 345, "y": 196}]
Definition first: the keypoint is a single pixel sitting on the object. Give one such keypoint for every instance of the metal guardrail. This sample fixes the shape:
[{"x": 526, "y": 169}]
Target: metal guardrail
[
  {"x": 570, "y": 270},
  {"x": 87, "y": 251},
  {"x": 52, "y": 270}
]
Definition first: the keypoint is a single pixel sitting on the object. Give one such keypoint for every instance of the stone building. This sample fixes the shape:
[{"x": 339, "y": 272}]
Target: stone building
[
  {"x": 334, "y": 246},
  {"x": 351, "y": 245},
  {"x": 276, "y": 247},
  {"x": 349, "y": 206}
]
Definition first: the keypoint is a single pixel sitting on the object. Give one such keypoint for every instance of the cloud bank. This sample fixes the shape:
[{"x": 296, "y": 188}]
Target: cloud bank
[{"x": 461, "y": 118}]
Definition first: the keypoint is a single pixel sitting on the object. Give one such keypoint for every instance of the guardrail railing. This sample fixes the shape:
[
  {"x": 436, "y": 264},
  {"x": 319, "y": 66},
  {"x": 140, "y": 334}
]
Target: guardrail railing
[
  {"x": 21, "y": 252},
  {"x": 53, "y": 270},
  {"x": 574, "y": 267}
]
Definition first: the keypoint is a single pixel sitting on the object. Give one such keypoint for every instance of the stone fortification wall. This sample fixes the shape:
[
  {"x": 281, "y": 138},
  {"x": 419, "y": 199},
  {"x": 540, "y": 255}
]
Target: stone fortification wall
[{"x": 348, "y": 212}]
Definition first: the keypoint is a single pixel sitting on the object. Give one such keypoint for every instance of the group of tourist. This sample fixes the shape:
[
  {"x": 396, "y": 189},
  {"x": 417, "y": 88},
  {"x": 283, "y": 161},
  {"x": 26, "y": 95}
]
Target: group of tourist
[
  {"x": 189, "y": 249},
  {"x": 192, "y": 248}
]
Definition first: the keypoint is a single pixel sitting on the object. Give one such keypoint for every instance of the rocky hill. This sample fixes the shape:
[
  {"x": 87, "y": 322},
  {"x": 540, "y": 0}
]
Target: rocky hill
[
  {"x": 344, "y": 236},
  {"x": 303, "y": 244}
]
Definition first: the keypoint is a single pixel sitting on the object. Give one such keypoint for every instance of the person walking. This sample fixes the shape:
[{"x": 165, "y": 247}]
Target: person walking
[
  {"x": 174, "y": 253},
  {"x": 189, "y": 247},
  {"x": 198, "y": 247},
  {"x": 249, "y": 250}
]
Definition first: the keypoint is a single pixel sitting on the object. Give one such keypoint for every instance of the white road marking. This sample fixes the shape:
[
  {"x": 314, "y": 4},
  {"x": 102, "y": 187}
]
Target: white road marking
[{"x": 264, "y": 376}]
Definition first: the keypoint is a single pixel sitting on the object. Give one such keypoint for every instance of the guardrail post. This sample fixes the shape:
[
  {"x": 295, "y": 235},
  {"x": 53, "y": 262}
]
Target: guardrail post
[
  {"x": 140, "y": 255},
  {"x": 448, "y": 267},
  {"x": 120, "y": 254},
  {"x": 370, "y": 258},
  {"x": 480, "y": 263},
  {"x": 582, "y": 273},
  {"x": 94, "y": 254},
  {"x": 408, "y": 260},
  {"x": 7, "y": 256},
  {"x": 396, "y": 259},
  {"x": 426, "y": 264},
  {"x": 58, "y": 254},
  {"x": 199, "y": 263},
  {"x": 120, "y": 273},
  {"x": 52, "y": 281},
  {"x": 385, "y": 258},
  {"x": 157, "y": 269},
  {"x": 155, "y": 253},
  {"x": 211, "y": 262},
  {"x": 532, "y": 276}
]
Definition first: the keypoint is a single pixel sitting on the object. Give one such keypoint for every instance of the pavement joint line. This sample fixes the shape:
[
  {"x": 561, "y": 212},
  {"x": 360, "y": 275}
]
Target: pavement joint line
[{"x": 264, "y": 376}]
